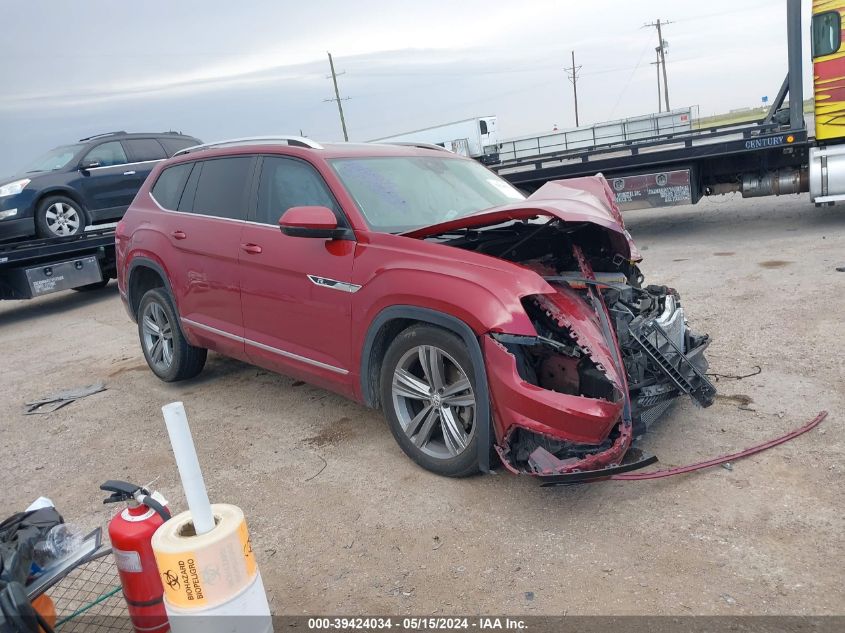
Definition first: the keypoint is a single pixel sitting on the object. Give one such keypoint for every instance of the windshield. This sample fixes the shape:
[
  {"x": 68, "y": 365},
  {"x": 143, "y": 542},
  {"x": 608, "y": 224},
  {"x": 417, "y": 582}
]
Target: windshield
[
  {"x": 54, "y": 159},
  {"x": 402, "y": 193}
]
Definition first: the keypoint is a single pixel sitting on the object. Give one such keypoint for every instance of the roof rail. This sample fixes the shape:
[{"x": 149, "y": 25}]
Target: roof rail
[
  {"x": 297, "y": 141},
  {"x": 419, "y": 145},
  {"x": 93, "y": 136}
]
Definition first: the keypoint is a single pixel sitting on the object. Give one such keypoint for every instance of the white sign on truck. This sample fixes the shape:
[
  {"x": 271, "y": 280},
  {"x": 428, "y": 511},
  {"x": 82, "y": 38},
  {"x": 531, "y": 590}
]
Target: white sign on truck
[{"x": 477, "y": 138}]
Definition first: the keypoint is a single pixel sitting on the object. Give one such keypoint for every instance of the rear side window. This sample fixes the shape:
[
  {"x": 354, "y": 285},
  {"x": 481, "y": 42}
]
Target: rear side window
[
  {"x": 168, "y": 188},
  {"x": 222, "y": 187},
  {"x": 173, "y": 145},
  {"x": 286, "y": 183},
  {"x": 827, "y": 33},
  {"x": 144, "y": 149}
]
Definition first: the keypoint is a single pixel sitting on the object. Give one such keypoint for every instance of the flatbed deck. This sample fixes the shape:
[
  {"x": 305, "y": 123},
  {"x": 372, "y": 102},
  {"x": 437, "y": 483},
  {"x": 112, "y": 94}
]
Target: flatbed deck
[
  {"x": 30, "y": 268},
  {"x": 29, "y": 251},
  {"x": 716, "y": 154}
]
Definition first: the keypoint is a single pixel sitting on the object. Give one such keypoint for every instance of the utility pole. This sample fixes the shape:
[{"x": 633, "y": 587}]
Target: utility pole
[
  {"x": 572, "y": 73},
  {"x": 337, "y": 97},
  {"x": 661, "y": 50},
  {"x": 659, "y": 95}
]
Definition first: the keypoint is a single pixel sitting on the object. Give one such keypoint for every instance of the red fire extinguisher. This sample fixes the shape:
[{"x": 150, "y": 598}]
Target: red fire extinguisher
[{"x": 131, "y": 531}]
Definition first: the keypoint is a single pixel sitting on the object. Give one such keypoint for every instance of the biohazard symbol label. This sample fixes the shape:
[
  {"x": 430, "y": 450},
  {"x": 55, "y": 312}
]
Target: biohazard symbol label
[
  {"x": 211, "y": 574},
  {"x": 171, "y": 579}
]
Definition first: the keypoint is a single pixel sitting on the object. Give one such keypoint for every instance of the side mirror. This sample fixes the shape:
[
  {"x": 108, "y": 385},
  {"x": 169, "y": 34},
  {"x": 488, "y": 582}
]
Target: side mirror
[
  {"x": 89, "y": 164},
  {"x": 317, "y": 222}
]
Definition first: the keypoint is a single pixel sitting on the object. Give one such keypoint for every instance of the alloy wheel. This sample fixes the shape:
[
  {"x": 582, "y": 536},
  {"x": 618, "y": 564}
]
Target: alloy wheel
[
  {"x": 63, "y": 219},
  {"x": 434, "y": 401},
  {"x": 158, "y": 336}
]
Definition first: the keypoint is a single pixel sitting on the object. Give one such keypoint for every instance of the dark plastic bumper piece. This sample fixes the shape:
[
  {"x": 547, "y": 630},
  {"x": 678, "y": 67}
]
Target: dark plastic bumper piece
[
  {"x": 634, "y": 460},
  {"x": 678, "y": 367}
]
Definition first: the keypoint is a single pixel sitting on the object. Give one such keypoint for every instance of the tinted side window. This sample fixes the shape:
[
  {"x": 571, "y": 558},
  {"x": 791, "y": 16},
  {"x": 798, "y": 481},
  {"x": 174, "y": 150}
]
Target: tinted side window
[
  {"x": 168, "y": 188},
  {"x": 222, "y": 187},
  {"x": 482, "y": 125},
  {"x": 143, "y": 149},
  {"x": 286, "y": 183},
  {"x": 107, "y": 154},
  {"x": 186, "y": 202},
  {"x": 827, "y": 33},
  {"x": 173, "y": 145}
]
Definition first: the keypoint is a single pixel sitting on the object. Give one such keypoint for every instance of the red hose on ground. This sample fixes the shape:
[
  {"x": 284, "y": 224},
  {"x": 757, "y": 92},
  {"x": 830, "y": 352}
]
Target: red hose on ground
[{"x": 679, "y": 470}]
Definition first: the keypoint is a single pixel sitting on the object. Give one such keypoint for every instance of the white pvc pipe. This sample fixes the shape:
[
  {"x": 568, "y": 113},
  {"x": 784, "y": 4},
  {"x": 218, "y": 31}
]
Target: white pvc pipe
[{"x": 189, "y": 466}]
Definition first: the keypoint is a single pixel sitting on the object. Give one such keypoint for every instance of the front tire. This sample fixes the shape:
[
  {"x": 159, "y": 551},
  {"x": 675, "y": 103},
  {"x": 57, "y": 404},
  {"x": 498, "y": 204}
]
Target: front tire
[
  {"x": 167, "y": 351},
  {"x": 428, "y": 391},
  {"x": 59, "y": 216}
]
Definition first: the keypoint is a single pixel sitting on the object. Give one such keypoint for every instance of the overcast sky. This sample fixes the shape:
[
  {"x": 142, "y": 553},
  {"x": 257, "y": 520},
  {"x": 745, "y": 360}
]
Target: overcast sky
[{"x": 220, "y": 69}]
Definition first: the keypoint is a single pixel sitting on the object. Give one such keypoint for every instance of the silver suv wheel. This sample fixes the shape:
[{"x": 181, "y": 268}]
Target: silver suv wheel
[
  {"x": 157, "y": 336},
  {"x": 63, "y": 220},
  {"x": 434, "y": 401}
]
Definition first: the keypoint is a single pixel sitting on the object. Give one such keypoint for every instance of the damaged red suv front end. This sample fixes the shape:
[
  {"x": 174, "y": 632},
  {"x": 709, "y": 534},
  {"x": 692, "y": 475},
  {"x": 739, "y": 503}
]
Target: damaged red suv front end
[{"x": 609, "y": 356}]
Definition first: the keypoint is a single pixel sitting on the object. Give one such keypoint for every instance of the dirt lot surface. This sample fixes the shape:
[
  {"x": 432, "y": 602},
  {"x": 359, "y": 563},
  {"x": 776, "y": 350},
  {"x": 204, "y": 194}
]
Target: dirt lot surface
[{"x": 342, "y": 522}]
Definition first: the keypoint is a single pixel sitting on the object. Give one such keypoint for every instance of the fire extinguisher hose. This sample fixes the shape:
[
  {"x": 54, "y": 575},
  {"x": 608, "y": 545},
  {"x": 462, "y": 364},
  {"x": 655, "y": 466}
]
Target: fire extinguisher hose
[{"x": 151, "y": 503}]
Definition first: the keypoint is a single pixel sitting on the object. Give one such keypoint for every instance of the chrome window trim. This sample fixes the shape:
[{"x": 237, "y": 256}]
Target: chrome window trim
[
  {"x": 203, "y": 215},
  {"x": 267, "y": 348},
  {"x": 143, "y": 162}
]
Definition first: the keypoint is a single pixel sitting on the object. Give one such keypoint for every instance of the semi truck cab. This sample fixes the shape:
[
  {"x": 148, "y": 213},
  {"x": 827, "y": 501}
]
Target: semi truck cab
[{"x": 827, "y": 157}]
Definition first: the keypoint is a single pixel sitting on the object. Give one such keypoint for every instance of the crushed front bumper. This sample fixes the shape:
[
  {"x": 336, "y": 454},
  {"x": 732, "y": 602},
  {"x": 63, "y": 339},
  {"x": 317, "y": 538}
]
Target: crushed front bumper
[{"x": 569, "y": 438}]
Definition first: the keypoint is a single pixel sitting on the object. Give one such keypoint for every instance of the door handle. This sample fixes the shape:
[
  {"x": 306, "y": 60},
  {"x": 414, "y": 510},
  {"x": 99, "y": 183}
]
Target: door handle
[
  {"x": 179, "y": 235},
  {"x": 129, "y": 173},
  {"x": 252, "y": 249}
]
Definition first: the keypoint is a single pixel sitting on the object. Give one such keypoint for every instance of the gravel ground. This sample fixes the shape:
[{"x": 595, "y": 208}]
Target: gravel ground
[{"x": 342, "y": 522}]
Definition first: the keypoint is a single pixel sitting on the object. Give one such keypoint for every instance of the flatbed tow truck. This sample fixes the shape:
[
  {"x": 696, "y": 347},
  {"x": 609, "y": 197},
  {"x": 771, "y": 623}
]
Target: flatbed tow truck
[
  {"x": 773, "y": 156},
  {"x": 34, "y": 268}
]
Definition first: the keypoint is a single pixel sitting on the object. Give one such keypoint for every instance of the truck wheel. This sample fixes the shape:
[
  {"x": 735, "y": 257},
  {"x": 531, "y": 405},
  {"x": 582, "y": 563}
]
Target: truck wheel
[
  {"x": 428, "y": 392},
  {"x": 166, "y": 350},
  {"x": 59, "y": 216}
]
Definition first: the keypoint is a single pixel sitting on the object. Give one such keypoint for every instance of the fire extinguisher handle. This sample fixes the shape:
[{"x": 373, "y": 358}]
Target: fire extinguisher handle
[{"x": 121, "y": 491}]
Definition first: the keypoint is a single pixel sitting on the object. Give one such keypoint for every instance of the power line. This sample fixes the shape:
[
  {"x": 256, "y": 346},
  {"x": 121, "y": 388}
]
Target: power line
[
  {"x": 630, "y": 78},
  {"x": 572, "y": 73},
  {"x": 337, "y": 96}
]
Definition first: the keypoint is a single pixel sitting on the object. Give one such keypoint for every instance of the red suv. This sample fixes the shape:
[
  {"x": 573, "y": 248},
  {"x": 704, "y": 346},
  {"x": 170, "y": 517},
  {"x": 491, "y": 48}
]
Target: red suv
[{"x": 419, "y": 282}]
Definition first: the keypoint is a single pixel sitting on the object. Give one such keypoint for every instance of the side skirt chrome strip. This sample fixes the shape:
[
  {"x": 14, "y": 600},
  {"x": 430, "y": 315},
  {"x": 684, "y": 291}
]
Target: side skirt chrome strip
[{"x": 266, "y": 348}]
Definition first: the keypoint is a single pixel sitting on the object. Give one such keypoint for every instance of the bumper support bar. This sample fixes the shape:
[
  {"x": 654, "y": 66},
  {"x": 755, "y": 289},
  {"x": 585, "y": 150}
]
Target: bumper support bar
[{"x": 680, "y": 470}]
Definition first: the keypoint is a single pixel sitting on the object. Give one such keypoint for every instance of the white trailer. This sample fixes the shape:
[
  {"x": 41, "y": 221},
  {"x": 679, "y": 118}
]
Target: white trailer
[{"x": 477, "y": 138}]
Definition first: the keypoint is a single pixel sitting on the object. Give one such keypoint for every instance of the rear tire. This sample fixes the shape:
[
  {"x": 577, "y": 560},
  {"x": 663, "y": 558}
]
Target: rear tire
[
  {"x": 428, "y": 392},
  {"x": 59, "y": 216},
  {"x": 167, "y": 351}
]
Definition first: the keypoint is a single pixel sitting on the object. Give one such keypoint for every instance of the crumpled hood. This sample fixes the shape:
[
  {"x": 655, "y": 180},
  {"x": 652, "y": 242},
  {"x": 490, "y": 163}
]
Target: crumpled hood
[{"x": 578, "y": 200}]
